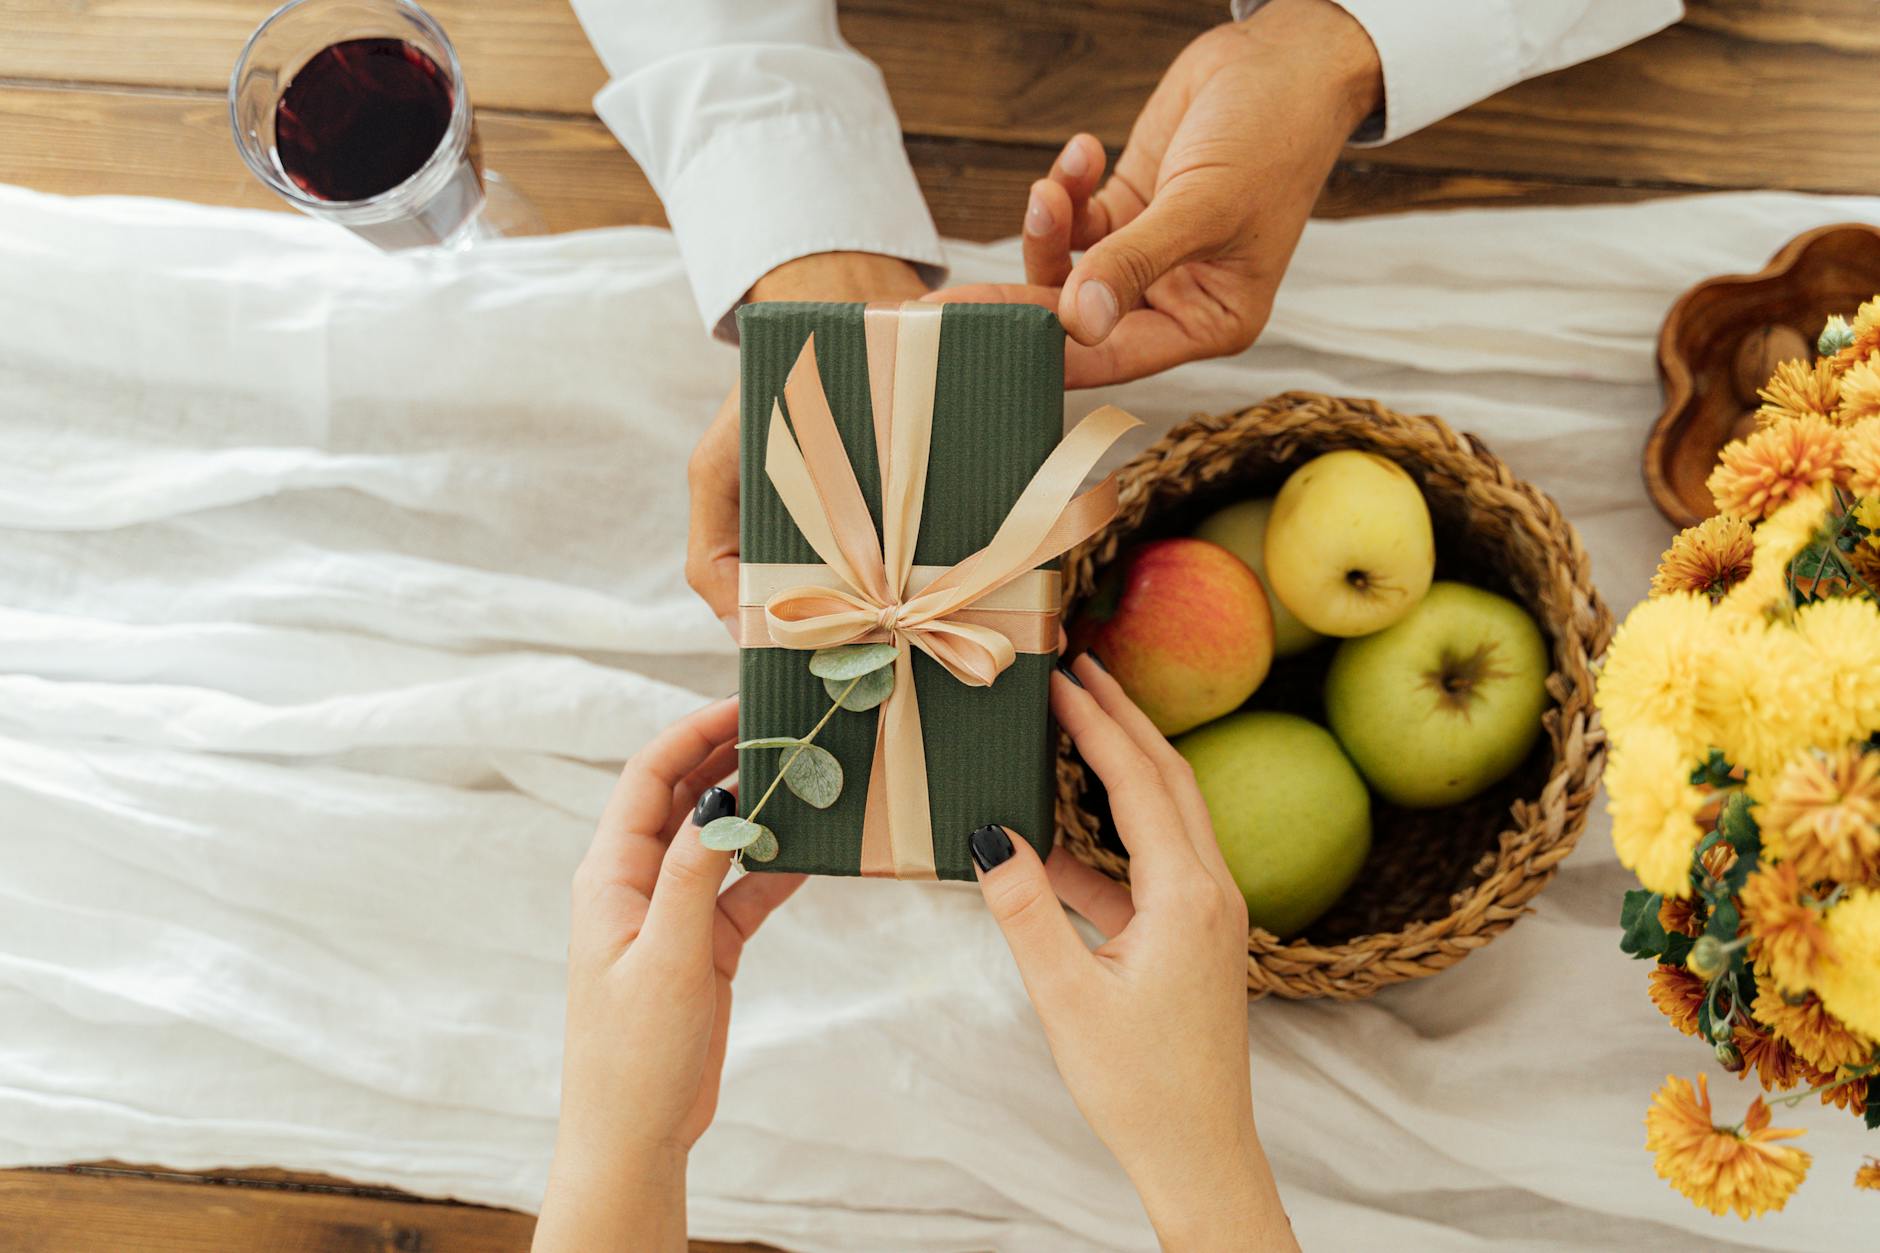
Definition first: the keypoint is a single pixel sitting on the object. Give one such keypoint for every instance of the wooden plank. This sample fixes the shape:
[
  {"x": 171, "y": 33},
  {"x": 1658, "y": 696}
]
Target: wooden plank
[
  {"x": 1743, "y": 93},
  {"x": 115, "y": 1209},
  {"x": 81, "y": 141}
]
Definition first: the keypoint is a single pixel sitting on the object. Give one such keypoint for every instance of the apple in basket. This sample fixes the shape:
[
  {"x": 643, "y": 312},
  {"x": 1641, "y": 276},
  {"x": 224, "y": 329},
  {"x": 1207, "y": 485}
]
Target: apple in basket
[
  {"x": 1290, "y": 813},
  {"x": 1241, "y": 529},
  {"x": 1184, "y": 626},
  {"x": 1446, "y": 702},
  {"x": 1349, "y": 548}
]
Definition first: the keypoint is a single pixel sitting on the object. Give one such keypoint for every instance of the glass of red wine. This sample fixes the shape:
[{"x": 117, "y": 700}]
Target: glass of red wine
[{"x": 355, "y": 112}]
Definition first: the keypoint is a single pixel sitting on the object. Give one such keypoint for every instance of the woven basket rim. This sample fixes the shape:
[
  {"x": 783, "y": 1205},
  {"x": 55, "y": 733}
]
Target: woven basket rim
[{"x": 1537, "y": 832}]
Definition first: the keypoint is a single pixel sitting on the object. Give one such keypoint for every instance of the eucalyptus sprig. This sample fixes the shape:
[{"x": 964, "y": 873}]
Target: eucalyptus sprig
[{"x": 857, "y": 677}]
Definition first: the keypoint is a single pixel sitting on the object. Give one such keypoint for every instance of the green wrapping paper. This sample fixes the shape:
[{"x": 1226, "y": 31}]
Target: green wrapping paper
[{"x": 998, "y": 412}]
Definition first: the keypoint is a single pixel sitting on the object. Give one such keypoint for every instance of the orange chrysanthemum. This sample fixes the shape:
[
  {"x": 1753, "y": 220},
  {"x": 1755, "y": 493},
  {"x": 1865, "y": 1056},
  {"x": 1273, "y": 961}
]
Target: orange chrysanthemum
[
  {"x": 1868, "y": 1176},
  {"x": 1718, "y": 860},
  {"x": 1860, "y": 459},
  {"x": 1823, "y": 815},
  {"x": 1723, "y": 1169},
  {"x": 1799, "y": 390},
  {"x": 1818, "y": 1037},
  {"x": 1760, "y": 474},
  {"x": 1860, "y": 393},
  {"x": 1864, "y": 334},
  {"x": 1679, "y": 914},
  {"x": 1678, "y": 994},
  {"x": 1776, "y": 1065},
  {"x": 1711, "y": 557},
  {"x": 1791, "y": 939}
]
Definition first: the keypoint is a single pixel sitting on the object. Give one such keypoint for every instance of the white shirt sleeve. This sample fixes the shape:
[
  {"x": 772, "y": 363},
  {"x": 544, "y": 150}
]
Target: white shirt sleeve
[
  {"x": 1441, "y": 56},
  {"x": 766, "y": 137}
]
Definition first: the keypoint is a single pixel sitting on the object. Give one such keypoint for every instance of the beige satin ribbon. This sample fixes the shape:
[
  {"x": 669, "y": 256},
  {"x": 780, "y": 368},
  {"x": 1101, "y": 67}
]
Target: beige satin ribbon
[{"x": 971, "y": 618}]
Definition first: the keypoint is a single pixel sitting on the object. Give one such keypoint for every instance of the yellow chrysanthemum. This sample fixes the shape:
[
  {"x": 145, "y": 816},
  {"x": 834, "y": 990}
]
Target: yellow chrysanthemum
[
  {"x": 1709, "y": 558},
  {"x": 1860, "y": 469},
  {"x": 1843, "y": 634},
  {"x": 1775, "y": 1063},
  {"x": 1655, "y": 669},
  {"x": 1758, "y": 475},
  {"x": 1678, "y": 994},
  {"x": 1754, "y": 699},
  {"x": 1868, "y": 1176},
  {"x": 1817, "y": 1036},
  {"x": 1791, "y": 939},
  {"x": 1822, "y": 816},
  {"x": 1679, "y": 916},
  {"x": 1860, "y": 393},
  {"x": 1723, "y": 1169},
  {"x": 1654, "y": 811},
  {"x": 1865, "y": 332},
  {"x": 1778, "y": 541},
  {"x": 1849, "y": 984},
  {"x": 1799, "y": 390}
]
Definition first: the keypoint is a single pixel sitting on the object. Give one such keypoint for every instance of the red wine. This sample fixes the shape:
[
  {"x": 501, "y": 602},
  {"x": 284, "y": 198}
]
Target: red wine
[{"x": 360, "y": 118}]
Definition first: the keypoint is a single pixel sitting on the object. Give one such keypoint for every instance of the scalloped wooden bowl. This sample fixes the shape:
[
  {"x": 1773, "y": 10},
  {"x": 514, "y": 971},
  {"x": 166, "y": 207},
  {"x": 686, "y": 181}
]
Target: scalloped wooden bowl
[{"x": 1722, "y": 338}]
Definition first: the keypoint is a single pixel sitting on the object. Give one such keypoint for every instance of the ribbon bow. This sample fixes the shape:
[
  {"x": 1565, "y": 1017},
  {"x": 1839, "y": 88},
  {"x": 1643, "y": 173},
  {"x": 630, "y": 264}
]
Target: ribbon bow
[{"x": 972, "y": 618}]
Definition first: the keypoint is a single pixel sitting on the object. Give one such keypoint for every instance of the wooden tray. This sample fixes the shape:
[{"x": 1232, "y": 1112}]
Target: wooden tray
[{"x": 1722, "y": 339}]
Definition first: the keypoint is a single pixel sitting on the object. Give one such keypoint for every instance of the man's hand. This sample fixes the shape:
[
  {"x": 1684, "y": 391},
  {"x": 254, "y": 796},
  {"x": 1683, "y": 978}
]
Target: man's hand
[
  {"x": 1188, "y": 240},
  {"x": 711, "y": 559}
]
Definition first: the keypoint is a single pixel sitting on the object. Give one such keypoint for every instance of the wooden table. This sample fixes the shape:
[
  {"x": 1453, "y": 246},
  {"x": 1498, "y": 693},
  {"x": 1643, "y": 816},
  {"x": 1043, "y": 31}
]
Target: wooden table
[{"x": 126, "y": 96}]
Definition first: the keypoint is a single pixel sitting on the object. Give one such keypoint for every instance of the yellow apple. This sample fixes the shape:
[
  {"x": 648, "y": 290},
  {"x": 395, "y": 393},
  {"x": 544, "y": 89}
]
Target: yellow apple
[
  {"x": 1241, "y": 530},
  {"x": 1290, "y": 813},
  {"x": 1349, "y": 547}
]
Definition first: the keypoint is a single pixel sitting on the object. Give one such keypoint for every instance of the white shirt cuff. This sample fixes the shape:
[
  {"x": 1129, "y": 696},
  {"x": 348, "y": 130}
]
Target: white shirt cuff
[{"x": 771, "y": 189}]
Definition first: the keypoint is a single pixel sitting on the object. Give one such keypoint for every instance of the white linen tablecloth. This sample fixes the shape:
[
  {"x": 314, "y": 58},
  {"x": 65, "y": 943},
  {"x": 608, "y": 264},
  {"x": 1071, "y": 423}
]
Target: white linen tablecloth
[{"x": 334, "y": 586}]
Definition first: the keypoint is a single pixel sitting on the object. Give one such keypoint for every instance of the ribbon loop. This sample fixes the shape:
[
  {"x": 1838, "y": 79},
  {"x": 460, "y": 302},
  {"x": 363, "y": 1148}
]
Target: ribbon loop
[{"x": 810, "y": 469}]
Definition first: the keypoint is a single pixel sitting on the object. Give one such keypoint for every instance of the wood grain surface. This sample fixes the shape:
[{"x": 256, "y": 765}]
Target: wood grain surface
[{"x": 126, "y": 97}]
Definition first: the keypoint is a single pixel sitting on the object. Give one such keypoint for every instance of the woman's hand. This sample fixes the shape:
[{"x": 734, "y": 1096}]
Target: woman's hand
[
  {"x": 1150, "y": 1029},
  {"x": 1189, "y": 238},
  {"x": 651, "y": 954}
]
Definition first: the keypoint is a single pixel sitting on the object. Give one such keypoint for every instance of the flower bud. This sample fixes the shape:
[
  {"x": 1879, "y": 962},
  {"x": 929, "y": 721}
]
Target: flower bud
[
  {"x": 1707, "y": 958},
  {"x": 1836, "y": 335},
  {"x": 1730, "y": 1057}
]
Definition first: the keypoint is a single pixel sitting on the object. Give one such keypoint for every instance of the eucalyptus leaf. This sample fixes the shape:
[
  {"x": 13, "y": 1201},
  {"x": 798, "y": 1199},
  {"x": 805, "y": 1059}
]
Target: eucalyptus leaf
[
  {"x": 870, "y": 690},
  {"x": 731, "y": 833},
  {"x": 851, "y": 661},
  {"x": 763, "y": 848},
  {"x": 814, "y": 775},
  {"x": 770, "y": 741}
]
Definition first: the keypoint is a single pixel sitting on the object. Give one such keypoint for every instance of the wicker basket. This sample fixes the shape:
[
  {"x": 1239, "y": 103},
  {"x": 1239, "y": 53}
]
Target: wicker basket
[{"x": 1439, "y": 884}]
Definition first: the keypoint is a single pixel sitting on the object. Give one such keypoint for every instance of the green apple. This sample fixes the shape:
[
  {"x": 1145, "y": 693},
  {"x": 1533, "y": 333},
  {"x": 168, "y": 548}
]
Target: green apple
[
  {"x": 1290, "y": 813},
  {"x": 1183, "y": 625},
  {"x": 1444, "y": 703},
  {"x": 1349, "y": 547},
  {"x": 1241, "y": 530}
]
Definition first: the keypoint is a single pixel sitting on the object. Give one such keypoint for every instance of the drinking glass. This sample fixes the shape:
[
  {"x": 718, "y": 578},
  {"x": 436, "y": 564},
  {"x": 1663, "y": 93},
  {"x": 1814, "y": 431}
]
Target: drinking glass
[{"x": 355, "y": 111}]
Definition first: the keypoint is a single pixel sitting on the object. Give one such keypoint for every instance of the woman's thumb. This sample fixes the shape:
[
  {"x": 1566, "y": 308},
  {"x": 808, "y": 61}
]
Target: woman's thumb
[{"x": 1022, "y": 902}]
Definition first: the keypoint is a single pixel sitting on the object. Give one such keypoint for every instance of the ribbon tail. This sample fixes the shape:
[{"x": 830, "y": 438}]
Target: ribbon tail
[{"x": 897, "y": 787}]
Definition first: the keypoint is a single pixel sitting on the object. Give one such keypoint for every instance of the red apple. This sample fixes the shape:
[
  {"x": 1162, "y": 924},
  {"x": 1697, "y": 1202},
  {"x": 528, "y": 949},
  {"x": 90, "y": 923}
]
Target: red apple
[{"x": 1184, "y": 626}]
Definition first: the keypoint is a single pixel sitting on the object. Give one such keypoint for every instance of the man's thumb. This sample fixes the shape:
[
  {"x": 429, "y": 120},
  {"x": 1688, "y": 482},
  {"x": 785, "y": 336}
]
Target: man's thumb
[
  {"x": 1112, "y": 276},
  {"x": 1022, "y": 902}
]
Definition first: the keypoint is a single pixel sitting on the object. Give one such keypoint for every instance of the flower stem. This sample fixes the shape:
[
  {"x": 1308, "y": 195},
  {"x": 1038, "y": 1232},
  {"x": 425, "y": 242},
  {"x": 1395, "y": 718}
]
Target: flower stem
[
  {"x": 1796, "y": 1098},
  {"x": 798, "y": 750}
]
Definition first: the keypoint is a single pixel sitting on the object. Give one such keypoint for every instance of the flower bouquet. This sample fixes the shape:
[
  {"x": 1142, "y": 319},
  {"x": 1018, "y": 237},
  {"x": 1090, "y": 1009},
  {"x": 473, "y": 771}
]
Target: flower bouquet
[{"x": 1742, "y": 703}]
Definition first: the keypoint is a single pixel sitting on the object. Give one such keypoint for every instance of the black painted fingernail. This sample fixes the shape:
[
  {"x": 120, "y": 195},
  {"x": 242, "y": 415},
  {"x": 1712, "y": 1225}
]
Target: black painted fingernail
[
  {"x": 1064, "y": 668},
  {"x": 715, "y": 804},
  {"x": 1097, "y": 661},
  {"x": 990, "y": 846}
]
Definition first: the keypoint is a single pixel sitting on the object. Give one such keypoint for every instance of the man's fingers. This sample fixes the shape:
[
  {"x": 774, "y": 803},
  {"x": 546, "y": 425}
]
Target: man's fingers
[
  {"x": 1184, "y": 322},
  {"x": 995, "y": 294},
  {"x": 711, "y": 553},
  {"x": 1047, "y": 235},
  {"x": 1146, "y": 817},
  {"x": 1099, "y": 898},
  {"x": 1119, "y": 269},
  {"x": 1050, "y": 957}
]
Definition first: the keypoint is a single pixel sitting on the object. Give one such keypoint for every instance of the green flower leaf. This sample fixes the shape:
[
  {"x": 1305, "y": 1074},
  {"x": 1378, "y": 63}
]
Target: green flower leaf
[
  {"x": 814, "y": 775},
  {"x": 851, "y": 661},
  {"x": 1715, "y": 771},
  {"x": 1873, "y": 1104},
  {"x": 731, "y": 833},
  {"x": 870, "y": 690},
  {"x": 1643, "y": 936},
  {"x": 770, "y": 741},
  {"x": 763, "y": 848}
]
